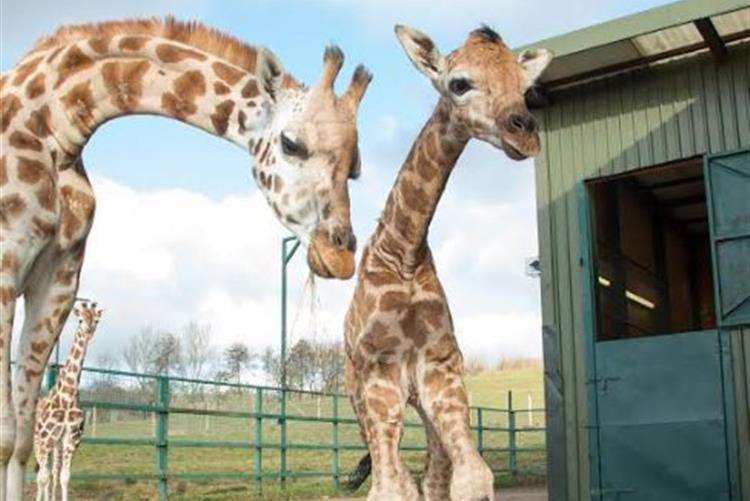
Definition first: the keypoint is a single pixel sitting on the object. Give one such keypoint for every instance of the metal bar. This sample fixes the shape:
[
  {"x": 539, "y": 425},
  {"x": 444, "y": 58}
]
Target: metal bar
[
  {"x": 282, "y": 440},
  {"x": 512, "y": 460},
  {"x": 480, "y": 429},
  {"x": 335, "y": 444},
  {"x": 258, "y": 436},
  {"x": 162, "y": 436}
]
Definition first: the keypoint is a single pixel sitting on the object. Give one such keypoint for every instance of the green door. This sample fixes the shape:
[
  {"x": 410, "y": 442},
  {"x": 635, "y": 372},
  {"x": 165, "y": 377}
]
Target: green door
[
  {"x": 662, "y": 406},
  {"x": 728, "y": 188},
  {"x": 661, "y": 418}
]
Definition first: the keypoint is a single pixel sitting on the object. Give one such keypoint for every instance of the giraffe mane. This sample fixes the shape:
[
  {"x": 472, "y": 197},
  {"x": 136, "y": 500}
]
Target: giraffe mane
[{"x": 193, "y": 33}]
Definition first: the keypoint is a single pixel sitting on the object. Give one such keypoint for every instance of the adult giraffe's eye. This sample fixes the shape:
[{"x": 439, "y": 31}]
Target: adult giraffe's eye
[
  {"x": 292, "y": 148},
  {"x": 460, "y": 86}
]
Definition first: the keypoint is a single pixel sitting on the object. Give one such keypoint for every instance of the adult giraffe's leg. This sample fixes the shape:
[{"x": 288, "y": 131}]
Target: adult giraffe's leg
[
  {"x": 384, "y": 406},
  {"x": 443, "y": 397},
  {"x": 49, "y": 293},
  {"x": 18, "y": 250},
  {"x": 48, "y": 299},
  {"x": 436, "y": 481}
]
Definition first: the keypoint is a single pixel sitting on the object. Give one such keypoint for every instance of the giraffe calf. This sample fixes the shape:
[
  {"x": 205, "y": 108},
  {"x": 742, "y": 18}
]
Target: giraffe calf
[
  {"x": 59, "y": 419},
  {"x": 400, "y": 341}
]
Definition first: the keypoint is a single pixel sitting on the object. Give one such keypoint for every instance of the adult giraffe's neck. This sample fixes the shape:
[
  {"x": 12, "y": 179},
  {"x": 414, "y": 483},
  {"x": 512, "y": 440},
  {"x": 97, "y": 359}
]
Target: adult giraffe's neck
[
  {"x": 71, "y": 371},
  {"x": 411, "y": 204},
  {"x": 90, "y": 81}
]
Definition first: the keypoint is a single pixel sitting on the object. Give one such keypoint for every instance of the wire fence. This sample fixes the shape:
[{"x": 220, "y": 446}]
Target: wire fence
[{"x": 147, "y": 427}]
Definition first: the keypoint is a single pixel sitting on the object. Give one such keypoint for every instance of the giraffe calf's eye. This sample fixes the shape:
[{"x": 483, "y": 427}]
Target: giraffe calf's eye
[
  {"x": 460, "y": 86},
  {"x": 291, "y": 148}
]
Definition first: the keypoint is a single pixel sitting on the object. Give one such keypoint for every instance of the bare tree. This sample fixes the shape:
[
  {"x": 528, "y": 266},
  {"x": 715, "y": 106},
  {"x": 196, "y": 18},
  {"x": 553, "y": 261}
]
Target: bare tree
[
  {"x": 237, "y": 356},
  {"x": 166, "y": 358},
  {"x": 198, "y": 354}
]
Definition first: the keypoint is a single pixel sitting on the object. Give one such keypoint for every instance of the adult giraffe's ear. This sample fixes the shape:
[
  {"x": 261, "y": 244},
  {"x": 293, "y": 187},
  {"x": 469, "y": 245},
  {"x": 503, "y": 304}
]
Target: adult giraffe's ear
[
  {"x": 421, "y": 51},
  {"x": 270, "y": 72},
  {"x": 534, "y": 62}
]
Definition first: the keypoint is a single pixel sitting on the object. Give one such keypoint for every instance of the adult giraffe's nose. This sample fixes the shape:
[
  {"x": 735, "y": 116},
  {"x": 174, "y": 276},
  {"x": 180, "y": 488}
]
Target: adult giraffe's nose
[{"x": 343, "y": 238}]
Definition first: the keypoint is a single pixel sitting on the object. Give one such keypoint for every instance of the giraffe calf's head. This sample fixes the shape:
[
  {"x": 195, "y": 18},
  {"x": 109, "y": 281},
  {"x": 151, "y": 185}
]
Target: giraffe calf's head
[
  {"x": 484, "y": 84},
  {"x": 312, "y": 156},
  {"x": 88, "y": 315}
]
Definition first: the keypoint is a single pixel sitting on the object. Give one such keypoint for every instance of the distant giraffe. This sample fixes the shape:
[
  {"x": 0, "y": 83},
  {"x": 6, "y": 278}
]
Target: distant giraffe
[
  {"x": 303, "y": 141},
  {"x": 59, "y": 419},
  {"x": 400, "y": 343}
]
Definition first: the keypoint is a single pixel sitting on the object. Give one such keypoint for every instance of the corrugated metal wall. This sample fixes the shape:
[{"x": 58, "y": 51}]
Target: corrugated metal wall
[{"x": 676, "y": 110}]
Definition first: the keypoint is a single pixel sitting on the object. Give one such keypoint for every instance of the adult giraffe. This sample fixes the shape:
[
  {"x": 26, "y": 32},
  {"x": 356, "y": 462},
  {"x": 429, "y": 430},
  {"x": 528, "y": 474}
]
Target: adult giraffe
[
  {"x": 399, "y": 334},
  {"x": 303, "y": 140}
]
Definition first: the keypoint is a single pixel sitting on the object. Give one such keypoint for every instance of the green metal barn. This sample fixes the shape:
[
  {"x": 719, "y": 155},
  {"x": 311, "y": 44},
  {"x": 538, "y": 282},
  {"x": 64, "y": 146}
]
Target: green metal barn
[{"x": 643, "y": 193}]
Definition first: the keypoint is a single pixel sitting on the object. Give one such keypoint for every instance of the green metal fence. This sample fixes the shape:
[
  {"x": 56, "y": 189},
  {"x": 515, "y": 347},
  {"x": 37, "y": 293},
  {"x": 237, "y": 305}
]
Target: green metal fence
[{"x": 315, "y": 420}]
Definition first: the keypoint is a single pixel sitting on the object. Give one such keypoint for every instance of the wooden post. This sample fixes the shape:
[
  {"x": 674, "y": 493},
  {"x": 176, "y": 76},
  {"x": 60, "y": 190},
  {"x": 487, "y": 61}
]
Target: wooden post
[
  {"x": 93, "y": 422},
  {"x": 531, "y": 412}
]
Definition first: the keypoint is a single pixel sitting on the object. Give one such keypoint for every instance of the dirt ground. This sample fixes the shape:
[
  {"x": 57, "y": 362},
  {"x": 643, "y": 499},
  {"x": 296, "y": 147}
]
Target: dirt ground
[{"x": 516, "y": 494}]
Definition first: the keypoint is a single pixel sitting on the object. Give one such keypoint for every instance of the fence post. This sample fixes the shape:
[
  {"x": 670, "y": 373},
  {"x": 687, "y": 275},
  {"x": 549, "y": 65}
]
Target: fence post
[
  {"x": 480, "y": 431},
  {"x": 282, "y": 439},
  {"x": 511, "y": 435},
  {"x": 258, "y": 439},
  {"x": 335, "y": 447},
  {"x": 162, "y": 434}
]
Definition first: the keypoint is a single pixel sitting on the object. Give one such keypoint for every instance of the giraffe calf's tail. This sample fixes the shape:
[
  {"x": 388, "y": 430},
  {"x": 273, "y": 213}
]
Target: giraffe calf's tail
[{"x": 360, "y": 474}]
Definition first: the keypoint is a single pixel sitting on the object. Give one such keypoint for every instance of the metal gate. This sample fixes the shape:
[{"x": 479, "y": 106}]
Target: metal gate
[{"x": 662, "y": 407}]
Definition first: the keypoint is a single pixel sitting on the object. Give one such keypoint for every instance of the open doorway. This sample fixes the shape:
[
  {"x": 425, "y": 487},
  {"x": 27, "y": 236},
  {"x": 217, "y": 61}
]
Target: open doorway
[{"x": 652, "y": 252}]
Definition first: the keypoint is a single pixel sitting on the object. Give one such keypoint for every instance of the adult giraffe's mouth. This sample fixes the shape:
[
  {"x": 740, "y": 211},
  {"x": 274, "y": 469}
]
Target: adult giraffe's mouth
[{"x": 328, "y": 261}]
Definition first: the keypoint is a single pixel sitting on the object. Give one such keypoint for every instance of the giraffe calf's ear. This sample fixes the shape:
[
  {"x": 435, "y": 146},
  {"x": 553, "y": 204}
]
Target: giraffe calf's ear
[
  {"x": 422, "y": 52},
  {"x": 534, "y": 62}
]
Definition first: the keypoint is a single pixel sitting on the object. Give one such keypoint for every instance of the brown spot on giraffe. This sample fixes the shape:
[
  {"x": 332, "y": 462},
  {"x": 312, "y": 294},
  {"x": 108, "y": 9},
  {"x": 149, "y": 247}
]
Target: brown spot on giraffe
[
  {"x": 11, "y": 206},
  {"x": 187, "y": 88},
  {"x": 25, "y": 70},
  {"x": 9, "y": 106},
  {"x": 124, "y": 82},
  {"x": 23, "y": 141},
  {"x": 100, "y": 45},
  {"x": 38, "y": 122},
  {"x": 250, "y": 89},
  {"x": 35, "y": 87},
  {"x": 39, "y": 346},
  {"x": 7, "y": 294},
  {"x": 220, "y": 116},
  {"x": 393, "y": 300},
  {"x": 80, "y": 104},
  {"x": 132, "y": 43},
  {"x": 220, "y": 88},
  {"x": 10, "y": 263},
  {"x": 170, "y": 53},
  {"x": 72, "y": 62},
  {"x": 3, "y": 171},
  {"x": 30, "y": 171},
  {"x": 228, "y": 74}
]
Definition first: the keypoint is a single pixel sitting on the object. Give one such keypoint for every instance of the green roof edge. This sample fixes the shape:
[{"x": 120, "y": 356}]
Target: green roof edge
[{"x": 623, "y": 28}]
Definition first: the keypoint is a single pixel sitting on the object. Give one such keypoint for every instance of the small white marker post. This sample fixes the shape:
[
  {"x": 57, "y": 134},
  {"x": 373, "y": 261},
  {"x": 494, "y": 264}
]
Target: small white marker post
[{"x": 531, "y": 406}]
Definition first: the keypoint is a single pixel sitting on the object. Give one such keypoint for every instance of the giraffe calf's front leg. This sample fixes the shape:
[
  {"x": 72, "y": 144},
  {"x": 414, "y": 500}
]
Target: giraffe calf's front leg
[{"x": 443, "y": 398}]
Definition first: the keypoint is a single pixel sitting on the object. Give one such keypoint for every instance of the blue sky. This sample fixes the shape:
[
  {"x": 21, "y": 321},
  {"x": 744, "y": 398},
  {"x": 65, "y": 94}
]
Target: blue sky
[{"x": 153, "y": 175}]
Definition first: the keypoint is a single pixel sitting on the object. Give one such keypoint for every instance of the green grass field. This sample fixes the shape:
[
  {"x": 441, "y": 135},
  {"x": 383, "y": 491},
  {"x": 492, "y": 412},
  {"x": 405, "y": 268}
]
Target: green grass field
[{"x": 489, "y": 389}]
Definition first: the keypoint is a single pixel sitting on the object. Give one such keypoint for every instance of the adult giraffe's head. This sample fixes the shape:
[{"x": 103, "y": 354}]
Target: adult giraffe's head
[
  {"x": 484, "y": 84},
  {"x": 306, "y": 159}
]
